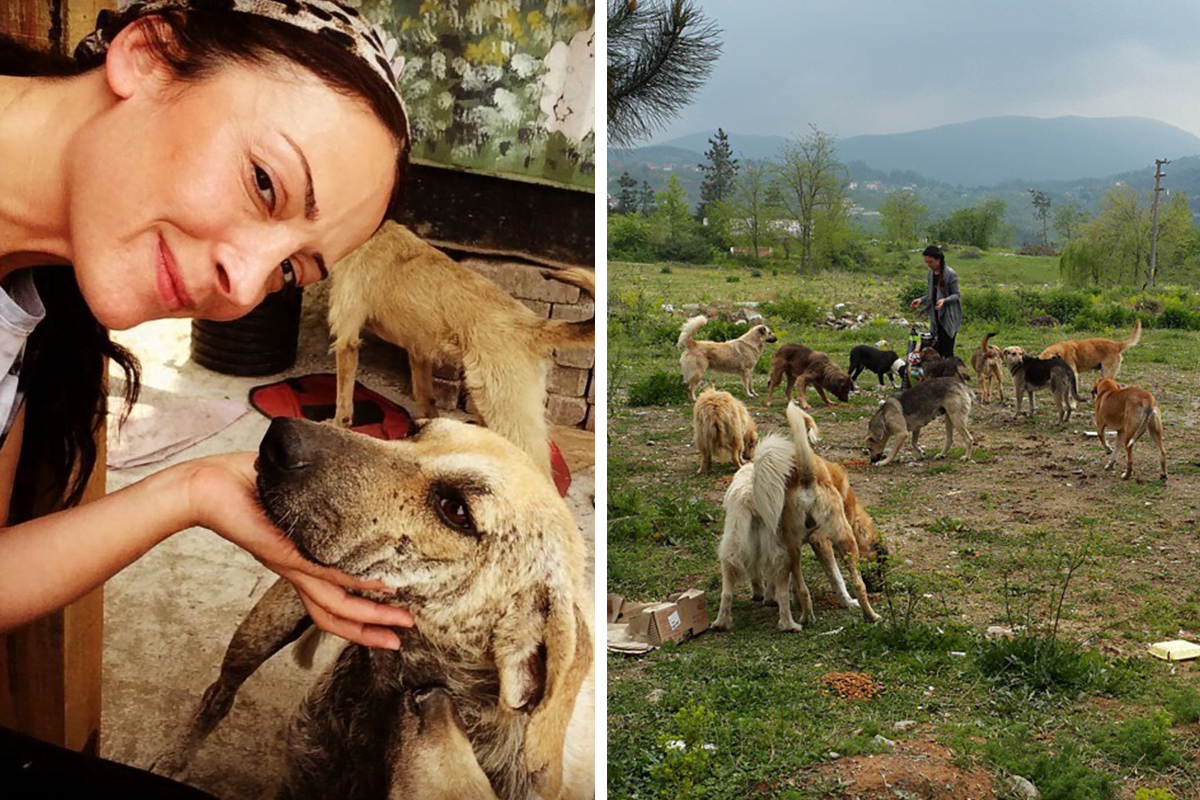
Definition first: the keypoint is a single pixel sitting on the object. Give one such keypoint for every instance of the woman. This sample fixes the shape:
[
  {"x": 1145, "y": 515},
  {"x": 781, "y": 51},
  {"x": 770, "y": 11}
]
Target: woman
[
  {"x": 195, "y": 156},
  {"x": 941, "y": 301}
]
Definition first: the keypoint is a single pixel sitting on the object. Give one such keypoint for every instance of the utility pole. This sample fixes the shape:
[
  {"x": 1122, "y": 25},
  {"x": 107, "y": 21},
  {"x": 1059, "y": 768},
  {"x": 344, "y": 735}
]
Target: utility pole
[{"x": 1158, "y": 176}]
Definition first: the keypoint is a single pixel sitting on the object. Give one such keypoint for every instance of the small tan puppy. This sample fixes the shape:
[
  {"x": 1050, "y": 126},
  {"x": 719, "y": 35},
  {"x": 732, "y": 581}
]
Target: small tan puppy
[
  {"x": 417, "y": 297},
  {"x": 432, "y": 754},
  {"x": 987, "y": 362},
  {"x": 1087, "y": 354},
  {"x": 1132, "y": 412},
  {"x": 738, "y": 356},
  {"x": 721, "y": 424}
]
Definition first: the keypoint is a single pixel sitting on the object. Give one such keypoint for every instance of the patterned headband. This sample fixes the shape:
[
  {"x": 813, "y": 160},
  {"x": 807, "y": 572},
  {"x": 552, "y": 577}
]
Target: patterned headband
[{"x": 334, "y": 22}]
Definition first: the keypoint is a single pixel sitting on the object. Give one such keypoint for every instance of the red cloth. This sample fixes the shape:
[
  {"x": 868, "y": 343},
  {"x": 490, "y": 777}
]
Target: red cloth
[{"x": 314, "y": 397}]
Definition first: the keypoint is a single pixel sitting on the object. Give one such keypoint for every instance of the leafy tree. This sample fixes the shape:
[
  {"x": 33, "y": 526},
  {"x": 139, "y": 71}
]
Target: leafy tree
[
  {"x": 978, "y": 226},
  {"x": 659, "y": 54},
  {"x": 627, "y": 196},
  {"x": 1069, "y": 219},
  {"x": 646, "y": 202},
  {"x": 903, "y": 216},
  {"x": 1122, "y": 233},
  {"x": 719, "y": 173},
  {"x": 812, "y": 186},
  {"x": 754, "y": 208},
  {"x": 1041, "y": 210},
  {"x": 675, "y": 235}
]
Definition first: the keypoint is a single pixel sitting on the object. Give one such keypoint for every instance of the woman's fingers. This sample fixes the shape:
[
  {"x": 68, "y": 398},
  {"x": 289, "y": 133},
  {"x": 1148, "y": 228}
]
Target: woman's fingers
[
  {"x": 367, "y": 635},
  {"x": 337, "y": 601}
]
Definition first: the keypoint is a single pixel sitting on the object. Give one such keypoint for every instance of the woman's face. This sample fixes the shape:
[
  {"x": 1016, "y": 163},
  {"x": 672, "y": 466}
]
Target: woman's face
[
  {"x": 932, "y": 263},
  {"x": 186, "y": 200}
]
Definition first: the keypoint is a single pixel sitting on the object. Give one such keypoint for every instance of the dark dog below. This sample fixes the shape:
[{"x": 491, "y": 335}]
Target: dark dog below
[{"x": 881, "y": 362}]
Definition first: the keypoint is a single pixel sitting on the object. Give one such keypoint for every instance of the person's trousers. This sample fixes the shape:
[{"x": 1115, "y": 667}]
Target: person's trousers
[{"x": 944, "y": 343}]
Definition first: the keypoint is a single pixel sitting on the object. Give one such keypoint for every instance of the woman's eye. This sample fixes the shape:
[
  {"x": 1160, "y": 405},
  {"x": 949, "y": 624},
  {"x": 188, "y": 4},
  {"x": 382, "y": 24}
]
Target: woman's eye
[{"x": 265, "y": 187}]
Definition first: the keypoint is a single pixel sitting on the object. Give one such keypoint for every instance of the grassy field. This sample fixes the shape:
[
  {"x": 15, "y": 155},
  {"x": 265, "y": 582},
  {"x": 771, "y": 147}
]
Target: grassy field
[{"x": 1034, "y": 536}]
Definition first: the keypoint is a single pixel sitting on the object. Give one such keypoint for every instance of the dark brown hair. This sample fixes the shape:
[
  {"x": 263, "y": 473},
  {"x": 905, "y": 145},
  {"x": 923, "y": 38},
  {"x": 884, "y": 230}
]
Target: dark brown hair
[
  {"x": 933, "y": 251},
  {"x": 64, "y": 379}
]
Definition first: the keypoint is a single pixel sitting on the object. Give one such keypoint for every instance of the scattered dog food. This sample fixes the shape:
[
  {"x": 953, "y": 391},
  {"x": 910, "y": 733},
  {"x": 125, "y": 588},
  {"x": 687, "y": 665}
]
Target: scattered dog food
[
  {"x": 851, "y": 685},
  {"x": 855, "y": 463}
]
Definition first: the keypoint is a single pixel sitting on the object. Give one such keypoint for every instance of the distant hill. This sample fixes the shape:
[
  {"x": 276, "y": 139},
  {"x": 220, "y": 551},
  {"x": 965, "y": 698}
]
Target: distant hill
[{"x": 986, "y": 152}]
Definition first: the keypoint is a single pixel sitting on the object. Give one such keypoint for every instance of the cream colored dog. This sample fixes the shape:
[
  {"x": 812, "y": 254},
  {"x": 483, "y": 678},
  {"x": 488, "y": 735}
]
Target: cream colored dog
[
  {"x": 721, "y": 424},
  {"x": 415, "y": 296},
  {"x": 1132, "y": 412},
  {"x": 485, "y": 554},
  {"x": 737, "y": 356}
]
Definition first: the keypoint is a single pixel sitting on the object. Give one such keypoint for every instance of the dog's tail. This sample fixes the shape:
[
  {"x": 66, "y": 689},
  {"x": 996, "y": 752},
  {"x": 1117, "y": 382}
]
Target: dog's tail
[
  {"x": 987, "y": 336},
  {"x": 689, "y": 330},
  {"x": 1134, "y": 337},
  {"x": 772, "y": 464},
  {"x": 804, "y": 435},
  {"x": 582, "y": 333}
]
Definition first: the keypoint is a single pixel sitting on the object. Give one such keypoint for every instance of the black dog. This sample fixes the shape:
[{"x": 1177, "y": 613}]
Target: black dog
[
  {"x": 881, "y": 362},
  {"x": 1030, "y": 374}
]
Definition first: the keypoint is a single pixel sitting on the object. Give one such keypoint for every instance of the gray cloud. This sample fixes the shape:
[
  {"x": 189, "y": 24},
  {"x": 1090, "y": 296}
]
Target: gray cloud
[{"x": 869, "y": 66}]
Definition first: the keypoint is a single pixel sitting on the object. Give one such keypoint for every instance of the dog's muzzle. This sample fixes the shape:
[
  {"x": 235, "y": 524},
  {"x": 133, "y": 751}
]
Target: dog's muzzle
[{"x": 772, "y": 339}]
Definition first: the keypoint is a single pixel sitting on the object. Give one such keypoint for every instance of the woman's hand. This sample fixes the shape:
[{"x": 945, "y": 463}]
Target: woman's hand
[
  {"x": 938, "y": 305},
  {"x": 915, "y": 303},
  {"x": 224, "y": 499}
]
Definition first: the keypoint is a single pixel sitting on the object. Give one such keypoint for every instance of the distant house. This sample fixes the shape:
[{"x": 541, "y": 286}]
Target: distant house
[{"x": 745, "y": 251}]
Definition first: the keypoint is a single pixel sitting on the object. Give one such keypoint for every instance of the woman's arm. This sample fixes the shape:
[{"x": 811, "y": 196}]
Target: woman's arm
[
  {"x": 51, "y": 561},
  {"x": 952, "y": 288}
]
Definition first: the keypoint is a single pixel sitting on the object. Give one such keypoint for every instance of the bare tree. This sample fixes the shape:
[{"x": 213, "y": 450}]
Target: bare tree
[
  {"x": 659, "y": 54},
  {"x": 811, "y": 184}
]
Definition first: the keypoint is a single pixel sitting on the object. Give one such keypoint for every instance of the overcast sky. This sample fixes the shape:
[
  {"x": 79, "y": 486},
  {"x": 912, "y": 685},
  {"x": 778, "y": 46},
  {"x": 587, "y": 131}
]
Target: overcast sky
[{"x": 872, "y": 66}]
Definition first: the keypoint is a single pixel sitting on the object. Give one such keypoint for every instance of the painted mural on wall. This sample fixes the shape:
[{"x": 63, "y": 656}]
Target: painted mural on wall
[{"x": 504, "y": 87}]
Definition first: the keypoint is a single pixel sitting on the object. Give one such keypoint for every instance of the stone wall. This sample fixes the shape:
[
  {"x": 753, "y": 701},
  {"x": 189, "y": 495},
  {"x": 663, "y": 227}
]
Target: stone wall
[{"x": 571, "y": 395}]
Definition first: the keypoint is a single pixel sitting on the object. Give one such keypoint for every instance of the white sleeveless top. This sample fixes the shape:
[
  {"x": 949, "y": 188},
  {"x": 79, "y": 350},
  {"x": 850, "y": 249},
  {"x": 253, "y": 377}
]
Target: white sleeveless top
[{"x": 21, "y": 310}]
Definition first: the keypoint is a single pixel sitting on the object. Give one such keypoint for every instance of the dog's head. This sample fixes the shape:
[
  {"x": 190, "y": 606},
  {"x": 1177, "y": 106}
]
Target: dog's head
[
  {"x": 749, "y": 442},
  {"x": 761, "y": 336},
  {"x": 1104, "y": 386},
  {"x": 874, "y": 552},
  {"x": 929, "y": 355},
  {"x": 471, "y": 534},
  {"x": 1012, "y": 356},
  {"x": 877, "y": 434},
  {"x": 840, "y": 384}
]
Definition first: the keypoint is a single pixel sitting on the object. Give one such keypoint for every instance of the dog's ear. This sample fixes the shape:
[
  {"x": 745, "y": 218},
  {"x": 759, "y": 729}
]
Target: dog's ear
[{"x": 543, "y": 652}]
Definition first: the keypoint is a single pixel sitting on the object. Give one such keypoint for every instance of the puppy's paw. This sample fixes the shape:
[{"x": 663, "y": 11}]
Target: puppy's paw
[
  {"x": 722, "y": 623},
  {"x": 852, "y": 603},
  {"x": 169, "y": 764},
  {"x": 790, "y": 627},
  {"x": 808, "y": 618},
  {"x": 872, "y": 617},
  {"x": 967, "y": 459},
  {"x": 940, "y": 455}
]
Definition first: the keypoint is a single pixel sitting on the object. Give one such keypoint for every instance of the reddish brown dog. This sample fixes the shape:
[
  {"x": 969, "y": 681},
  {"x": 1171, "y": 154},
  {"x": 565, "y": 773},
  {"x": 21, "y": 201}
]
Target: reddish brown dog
[
  {"x": 1132, "y": 412},
  {"x": 803, "y": 364}
]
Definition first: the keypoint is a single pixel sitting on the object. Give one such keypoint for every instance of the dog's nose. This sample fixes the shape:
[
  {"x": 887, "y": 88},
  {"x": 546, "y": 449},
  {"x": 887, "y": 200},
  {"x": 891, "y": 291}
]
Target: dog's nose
[{"x": 284, "y": 447}]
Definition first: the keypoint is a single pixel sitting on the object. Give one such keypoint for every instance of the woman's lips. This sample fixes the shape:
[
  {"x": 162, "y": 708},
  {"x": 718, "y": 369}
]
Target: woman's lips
[{"x": 171, "y": 288}]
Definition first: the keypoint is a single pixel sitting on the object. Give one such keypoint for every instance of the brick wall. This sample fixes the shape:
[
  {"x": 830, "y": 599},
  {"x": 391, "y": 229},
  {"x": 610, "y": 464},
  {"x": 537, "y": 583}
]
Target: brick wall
[{"x": 571, "y": 395}]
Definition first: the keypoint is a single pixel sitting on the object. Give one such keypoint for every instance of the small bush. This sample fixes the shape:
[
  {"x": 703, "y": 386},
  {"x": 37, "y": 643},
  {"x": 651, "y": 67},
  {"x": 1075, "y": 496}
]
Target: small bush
[
  {"x": 792, "y": 308},
  {"x": 1058, "y": 776},
  {"x": 721, "y": 330},
  {"x": 756, "y": 273},
  {"x": 629, "y": 238},
  {"x": 685, "y": 759},
  {"x": 1043, "y": 665},
  {"x": 993, "y": 305},
  {"x": 1064, "y": 304},
  {"x": 1184, "y": 706},
  {"x": 970, "y": 253},
  {"x": 665, "y": 270},
  {"x": 658, "y": 389},
  {"x": 732, "y": 279},
  {"x": 910, "y": 291},
  {"x": 1142, "y": 742}
]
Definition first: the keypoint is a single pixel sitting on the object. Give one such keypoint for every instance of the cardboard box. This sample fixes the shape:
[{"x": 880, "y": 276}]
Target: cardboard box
[
  {"x": 1175, "y": 650},
  {"x": 641, "y": 627}
]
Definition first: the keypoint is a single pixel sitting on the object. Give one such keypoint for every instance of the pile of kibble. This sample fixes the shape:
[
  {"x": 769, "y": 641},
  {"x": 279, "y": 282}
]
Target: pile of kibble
[{"x": 851, "y": 685}]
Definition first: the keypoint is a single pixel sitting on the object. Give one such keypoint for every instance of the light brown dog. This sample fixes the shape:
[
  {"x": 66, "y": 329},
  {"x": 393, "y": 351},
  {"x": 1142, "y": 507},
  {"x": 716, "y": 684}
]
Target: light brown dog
[
  {"x": 432, "y": 755},
  {"x": 478, "y": 545},
  {"x": 787, "y": 496},
  {"x": 721, "y": 424},
  {"x": 737, "y": 356},
  {"x": 1087, "y": 354},
  {"x": 417, "y": 297},
  {"x": 988, "y": 363},
  {"x": 806, "y": 366},
  {"x": 1132, "y": 412}
]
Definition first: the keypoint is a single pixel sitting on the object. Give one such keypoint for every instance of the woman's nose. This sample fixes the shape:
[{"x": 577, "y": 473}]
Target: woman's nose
[{"x": 243, "y": 272}]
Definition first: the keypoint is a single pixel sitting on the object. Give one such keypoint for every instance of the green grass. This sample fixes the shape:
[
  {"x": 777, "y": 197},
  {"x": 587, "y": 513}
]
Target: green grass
[{"x": 1079, "y": 721}]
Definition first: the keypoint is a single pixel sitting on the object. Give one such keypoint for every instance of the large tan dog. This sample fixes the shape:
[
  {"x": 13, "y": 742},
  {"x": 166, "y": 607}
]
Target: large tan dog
[
  {"x": 988, "y": 363},
  {"x": 486, "y": 555},
  {"x": 1132, "y": 412},
  {"x": 417, "y": 297},
  {"x": 1087, "y": 354},
  {"x": 788, "y": 496},
  {"x": 721, "y": 424},
  {"x": 738, "y": 356}
]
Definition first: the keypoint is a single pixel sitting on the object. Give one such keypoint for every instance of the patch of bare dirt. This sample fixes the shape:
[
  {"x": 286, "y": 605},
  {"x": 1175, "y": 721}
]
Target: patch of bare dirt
[{"x": 917, "y": 770}]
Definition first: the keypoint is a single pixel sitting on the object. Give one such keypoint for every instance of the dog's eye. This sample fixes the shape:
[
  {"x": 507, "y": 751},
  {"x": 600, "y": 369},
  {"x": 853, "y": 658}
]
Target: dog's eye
[{"x": 451, "y": 508}]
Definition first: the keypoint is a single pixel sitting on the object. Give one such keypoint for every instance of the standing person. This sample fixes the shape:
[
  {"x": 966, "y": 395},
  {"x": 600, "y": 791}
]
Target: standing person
[
  {"x": 194, "y": 156},
  {"x": 941, "y": 301}
]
